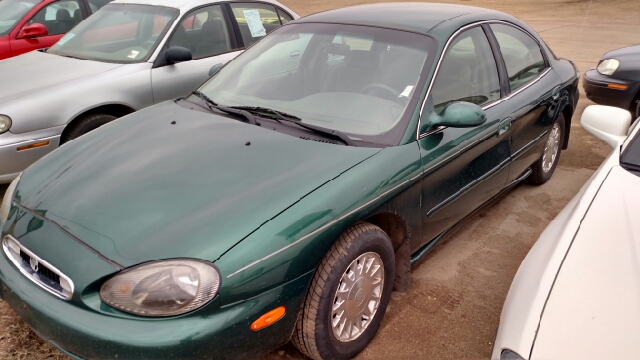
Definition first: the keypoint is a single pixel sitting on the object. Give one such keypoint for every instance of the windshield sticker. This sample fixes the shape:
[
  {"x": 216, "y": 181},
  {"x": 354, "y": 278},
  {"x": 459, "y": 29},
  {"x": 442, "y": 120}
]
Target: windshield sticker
[
  {"x": 66, "y": 38},
  {"x": 407, "y": 91},
  {"x": 254, "y": 22},
  {"x": 133, "y": 54}
]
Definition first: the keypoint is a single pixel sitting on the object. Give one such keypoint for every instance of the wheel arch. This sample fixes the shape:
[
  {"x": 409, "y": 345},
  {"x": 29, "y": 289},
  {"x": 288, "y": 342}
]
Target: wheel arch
[
  {"x": 396, "y": 228},
  {"x": 117, "y": 110}
]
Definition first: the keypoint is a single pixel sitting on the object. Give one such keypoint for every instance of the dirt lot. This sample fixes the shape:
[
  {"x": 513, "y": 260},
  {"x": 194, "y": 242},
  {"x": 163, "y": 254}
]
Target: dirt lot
[{"x": 456, "y": 295}]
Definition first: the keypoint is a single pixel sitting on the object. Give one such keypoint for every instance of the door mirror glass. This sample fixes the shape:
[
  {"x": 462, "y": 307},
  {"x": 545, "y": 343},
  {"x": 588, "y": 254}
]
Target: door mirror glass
[
  {"x": 176, "y": 54},
  {"x": 214, "y": 69},
  {"x": 458, "y": 115},
  {"x": 33, "y": 31}
]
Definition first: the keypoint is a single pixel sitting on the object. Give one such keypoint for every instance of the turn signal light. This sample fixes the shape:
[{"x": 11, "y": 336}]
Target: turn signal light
[
  {"x": 268, "y": 318},
  {"x": 34, "y": 145},
  {"x": 617, "y": 86}
]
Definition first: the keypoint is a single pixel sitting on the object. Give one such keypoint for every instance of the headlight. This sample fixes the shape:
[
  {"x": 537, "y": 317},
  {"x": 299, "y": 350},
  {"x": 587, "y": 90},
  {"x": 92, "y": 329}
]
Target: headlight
[
  {"x": 608, "y": 67},
  {"x": 510, "y": 355},
  {"x": 6, "y": 202},
  {"x": 162, "y": 288},
  {"x": 5, "y": 123}
]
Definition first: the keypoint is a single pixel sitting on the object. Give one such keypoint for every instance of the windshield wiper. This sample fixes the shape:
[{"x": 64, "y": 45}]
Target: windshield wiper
[
  {"x": 213, "y": 105},
  {"x": 296, "y": 120}
]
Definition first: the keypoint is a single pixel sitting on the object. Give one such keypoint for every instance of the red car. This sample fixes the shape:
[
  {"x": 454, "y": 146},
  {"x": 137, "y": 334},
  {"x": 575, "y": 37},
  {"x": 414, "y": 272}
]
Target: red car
[{"x": 27, "y": 25}]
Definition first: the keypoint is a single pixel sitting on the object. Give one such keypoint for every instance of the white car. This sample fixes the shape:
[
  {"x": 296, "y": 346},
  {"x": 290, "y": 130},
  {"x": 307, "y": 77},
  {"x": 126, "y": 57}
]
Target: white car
[{"x": 577, "y": 293}]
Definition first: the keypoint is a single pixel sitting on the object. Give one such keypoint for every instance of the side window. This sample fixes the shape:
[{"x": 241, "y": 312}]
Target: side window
[
  {"x": 468, "y": 72},
  {"x": 58, "y": 17},
  {"x": 203, "y": 31},
  {"x": 255, "y": 20},
  {"x": 284, "y": 17},
  {"x": 522, "y": 55},
  {"x": 96, "y": 5}
]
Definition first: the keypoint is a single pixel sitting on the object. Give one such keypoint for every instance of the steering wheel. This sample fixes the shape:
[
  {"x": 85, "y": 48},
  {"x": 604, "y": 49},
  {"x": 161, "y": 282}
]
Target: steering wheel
[
  {"x": 148, "y": 44},
  {"x": 388, "y": 89}
]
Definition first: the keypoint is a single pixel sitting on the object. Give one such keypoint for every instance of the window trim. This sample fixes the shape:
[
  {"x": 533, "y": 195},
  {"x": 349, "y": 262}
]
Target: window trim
[
  {"x": 488, "y": 105},
  {"x": 542, "y": 52},
  {"x": 236, "y": 27},
  {"x": 81, "y": 7},
  {"x": 160, "y": 61}
]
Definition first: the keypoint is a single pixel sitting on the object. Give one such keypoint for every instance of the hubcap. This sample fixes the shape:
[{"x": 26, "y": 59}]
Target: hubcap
[
  {"x": 357, "y": 297},
  {"x": 551, "y": 148}
]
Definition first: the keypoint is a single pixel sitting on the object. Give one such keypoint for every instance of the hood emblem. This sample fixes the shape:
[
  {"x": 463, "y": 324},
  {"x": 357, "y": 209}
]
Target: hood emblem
[{"x": 34, "y": 264}]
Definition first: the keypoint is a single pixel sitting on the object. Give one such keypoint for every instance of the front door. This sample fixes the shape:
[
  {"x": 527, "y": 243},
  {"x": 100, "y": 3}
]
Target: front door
[
  {"x": 463, "y": 167},
  {"x": 206, "y": 33}
]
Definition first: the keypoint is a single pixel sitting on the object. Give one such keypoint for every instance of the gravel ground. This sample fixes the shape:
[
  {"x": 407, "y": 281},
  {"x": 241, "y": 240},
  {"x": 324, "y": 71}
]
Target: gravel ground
[{"x": 453, "y": 306}]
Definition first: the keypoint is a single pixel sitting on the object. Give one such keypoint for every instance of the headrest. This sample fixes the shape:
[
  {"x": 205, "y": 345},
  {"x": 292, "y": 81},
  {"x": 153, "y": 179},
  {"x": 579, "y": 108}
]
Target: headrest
[
  {"x": 363, "y": 58},
  {"x": 213, "y": 30},
  {"x": 63, "y": 15}
]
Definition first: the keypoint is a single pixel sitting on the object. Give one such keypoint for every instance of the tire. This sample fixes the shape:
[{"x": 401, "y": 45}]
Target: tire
[
  {"x": 314, "y": 334},
  {"x": 542, "y": 170},
  {"x": 87, "y": 124}
]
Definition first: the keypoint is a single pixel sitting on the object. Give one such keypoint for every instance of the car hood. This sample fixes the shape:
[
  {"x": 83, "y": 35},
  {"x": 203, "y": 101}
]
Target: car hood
[
  {"x": 38, "y": 71},
  {"x": 629, "y": 58},
  {"x": 170, "y": 182},
  {"x": 593, "y": 311}
]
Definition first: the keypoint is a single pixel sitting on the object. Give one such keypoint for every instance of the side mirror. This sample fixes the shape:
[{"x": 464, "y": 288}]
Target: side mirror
[
  {"x": 176, "y": 54},
  {"x": 607, "y": 123},
  {"x": 458, "y": 115},
  {"x": 32, "y": 31},
  {"x": 214, "y": 69}
]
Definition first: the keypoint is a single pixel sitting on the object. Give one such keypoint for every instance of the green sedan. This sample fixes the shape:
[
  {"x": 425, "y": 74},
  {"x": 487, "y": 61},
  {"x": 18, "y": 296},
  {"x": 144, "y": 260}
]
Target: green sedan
[{"x": 290, "y": 194}]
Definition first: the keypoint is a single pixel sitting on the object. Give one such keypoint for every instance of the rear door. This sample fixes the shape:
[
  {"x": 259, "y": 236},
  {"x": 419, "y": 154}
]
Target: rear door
[
  {"x": 58, "y": 17},
  {"x": 533, "y": 102},
  {"x": 464, "y": 167},
  {"x": 208, "y": 34}
]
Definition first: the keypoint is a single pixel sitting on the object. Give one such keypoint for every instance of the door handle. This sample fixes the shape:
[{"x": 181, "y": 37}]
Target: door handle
[
  {"x": 294, "y": 54},
  {"x": 504, "y": 125},
  {"x": 555, "y": 93}
]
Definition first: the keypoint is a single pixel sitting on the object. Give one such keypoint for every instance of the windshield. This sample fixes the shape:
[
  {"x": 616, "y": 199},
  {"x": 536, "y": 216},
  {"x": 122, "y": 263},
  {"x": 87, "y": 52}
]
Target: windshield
[
  {"x": 12, "y": 11},
  {"x": 358, "y": 80},
  {"x": 119, "y": 33}
]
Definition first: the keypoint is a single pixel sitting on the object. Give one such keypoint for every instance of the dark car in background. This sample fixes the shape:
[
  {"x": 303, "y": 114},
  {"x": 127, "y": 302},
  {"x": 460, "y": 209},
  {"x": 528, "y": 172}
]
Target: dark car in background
[
  {"x": 27, "y": 25},
  {"x": 616, "y": 80}
]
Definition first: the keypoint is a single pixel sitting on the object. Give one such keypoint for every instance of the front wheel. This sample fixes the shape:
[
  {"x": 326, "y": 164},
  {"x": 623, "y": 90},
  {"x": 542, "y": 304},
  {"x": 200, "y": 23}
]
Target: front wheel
[
  {"x": 543, "y": 169},
  {"x": 87, "y": 124},
  {"x": 348, "y": 295}
]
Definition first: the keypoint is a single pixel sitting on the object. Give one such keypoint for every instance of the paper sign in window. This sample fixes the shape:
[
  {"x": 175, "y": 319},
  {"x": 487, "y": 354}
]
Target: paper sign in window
[{"x": 255, "y": 23}]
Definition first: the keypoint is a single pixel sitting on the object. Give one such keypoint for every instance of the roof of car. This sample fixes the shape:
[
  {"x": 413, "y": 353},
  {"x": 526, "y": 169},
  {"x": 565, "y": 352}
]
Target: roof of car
[{"x": 416, "y": 17}]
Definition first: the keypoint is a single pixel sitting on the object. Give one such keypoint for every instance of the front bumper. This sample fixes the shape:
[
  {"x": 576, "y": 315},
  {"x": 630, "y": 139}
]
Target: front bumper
[
  {"x": 596, "y": 89},
  {"x": 12, "y": 161},
  {"x": 208, "y": 333},
  {"x": 86, "y": 328}
]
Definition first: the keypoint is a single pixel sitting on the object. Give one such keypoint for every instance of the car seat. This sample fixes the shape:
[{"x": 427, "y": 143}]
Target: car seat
[
  {"x": 77, "y": 17},
  {"x": 213, "y": 39},
  {"x": 63, "y": 22}
]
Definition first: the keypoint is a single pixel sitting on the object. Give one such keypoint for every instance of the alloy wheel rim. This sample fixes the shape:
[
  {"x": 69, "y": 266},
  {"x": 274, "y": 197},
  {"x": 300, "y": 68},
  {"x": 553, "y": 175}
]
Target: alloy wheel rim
[
  {"x": 358, "y": 296},
  {"x": 551, "y": 148}
]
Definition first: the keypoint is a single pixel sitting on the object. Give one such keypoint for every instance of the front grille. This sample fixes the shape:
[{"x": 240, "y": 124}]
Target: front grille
[
  {"x": 37, "y": 270},
  {"x": 42, "y": 270}
]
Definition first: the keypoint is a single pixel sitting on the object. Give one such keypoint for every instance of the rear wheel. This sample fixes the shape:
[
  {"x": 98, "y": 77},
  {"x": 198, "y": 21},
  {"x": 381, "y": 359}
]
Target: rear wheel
[
  {"x": 86, "y": 124},
  {"x": 543, "y": 169},
  {"x": 348, "y": 295}
]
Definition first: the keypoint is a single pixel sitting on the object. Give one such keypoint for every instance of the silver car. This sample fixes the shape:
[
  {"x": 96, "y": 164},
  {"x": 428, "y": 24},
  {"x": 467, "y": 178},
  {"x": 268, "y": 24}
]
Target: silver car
[{"x": 128, "y": 55}]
